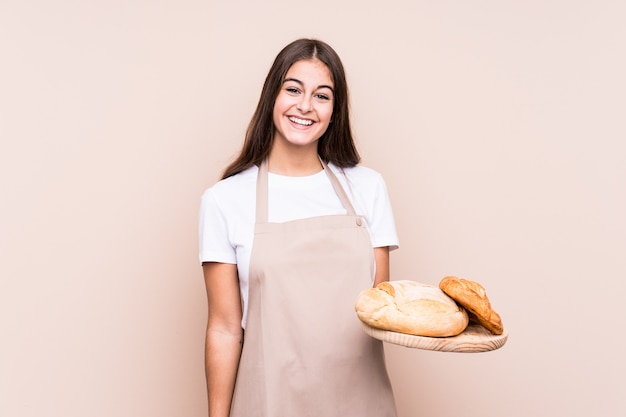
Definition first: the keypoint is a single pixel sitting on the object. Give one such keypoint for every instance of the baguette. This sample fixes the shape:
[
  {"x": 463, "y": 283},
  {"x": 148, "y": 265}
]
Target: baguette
[{"x": 473, "y": 297}]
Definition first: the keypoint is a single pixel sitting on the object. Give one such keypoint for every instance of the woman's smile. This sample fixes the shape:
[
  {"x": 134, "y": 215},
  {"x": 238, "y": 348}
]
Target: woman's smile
[{"x": 300, "y": 122}]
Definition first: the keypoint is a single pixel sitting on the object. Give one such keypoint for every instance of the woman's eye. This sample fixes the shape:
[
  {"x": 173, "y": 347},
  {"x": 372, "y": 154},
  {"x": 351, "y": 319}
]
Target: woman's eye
[
  {"x": 292, "y": 90},
  {"x": 322, "y": 96}
]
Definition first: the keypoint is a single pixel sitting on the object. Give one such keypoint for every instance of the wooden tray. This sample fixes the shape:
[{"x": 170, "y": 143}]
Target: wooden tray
[{"x": 473, "y": 339}]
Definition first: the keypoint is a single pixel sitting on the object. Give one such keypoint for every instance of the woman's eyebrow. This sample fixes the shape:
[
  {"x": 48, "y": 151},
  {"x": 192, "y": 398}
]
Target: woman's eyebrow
[{"x": 295, "y": 80}]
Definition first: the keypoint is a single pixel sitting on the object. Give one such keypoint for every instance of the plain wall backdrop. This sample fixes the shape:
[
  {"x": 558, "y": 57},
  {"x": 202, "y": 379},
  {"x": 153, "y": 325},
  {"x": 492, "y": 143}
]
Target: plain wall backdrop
[{"x": 498, "y": 126}]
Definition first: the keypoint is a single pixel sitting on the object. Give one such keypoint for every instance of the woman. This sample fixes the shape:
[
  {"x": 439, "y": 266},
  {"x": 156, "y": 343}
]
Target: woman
[{"x": 288, "y": 238}]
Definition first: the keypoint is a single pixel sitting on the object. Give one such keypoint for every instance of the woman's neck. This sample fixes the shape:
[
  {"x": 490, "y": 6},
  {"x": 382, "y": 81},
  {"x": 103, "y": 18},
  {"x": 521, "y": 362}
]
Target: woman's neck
[{"x": 294, "y": 164}]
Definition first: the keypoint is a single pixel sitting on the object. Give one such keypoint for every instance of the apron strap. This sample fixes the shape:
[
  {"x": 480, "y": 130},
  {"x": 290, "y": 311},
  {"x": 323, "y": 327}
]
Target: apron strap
[
  {"x": 341, "y": 193},
  {"x": 261, "y": 192}
]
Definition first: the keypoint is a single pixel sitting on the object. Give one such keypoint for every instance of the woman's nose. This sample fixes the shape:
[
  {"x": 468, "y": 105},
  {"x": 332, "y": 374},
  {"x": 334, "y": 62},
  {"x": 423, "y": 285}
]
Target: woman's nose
[{"x": 304, "y": 104}]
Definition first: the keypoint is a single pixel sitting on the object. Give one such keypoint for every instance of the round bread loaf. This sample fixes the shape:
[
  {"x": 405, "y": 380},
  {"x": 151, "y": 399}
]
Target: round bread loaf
[{"x": 412, "y": 308}]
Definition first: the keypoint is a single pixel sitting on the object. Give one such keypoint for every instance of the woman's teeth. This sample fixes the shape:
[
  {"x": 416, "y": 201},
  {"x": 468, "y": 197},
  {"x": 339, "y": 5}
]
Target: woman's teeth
[{"x": 301, "y": 121}]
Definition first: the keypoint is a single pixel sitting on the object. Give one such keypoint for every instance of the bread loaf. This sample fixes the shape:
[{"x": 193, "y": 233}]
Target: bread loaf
[
  {"x": 412, "y": 308},
  {"x": 473, "y": 297}
]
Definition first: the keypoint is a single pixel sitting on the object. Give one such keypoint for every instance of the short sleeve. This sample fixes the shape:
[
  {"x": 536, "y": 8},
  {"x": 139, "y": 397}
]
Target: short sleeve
[
  {"x": 214, "y": 240},
  {"x": 381, "y": 219}
]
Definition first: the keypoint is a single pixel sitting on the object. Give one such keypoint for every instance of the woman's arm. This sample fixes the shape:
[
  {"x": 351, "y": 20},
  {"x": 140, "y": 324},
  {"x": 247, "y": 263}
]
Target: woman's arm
[
  {"x": 381, "y": 255},
  {"x": 224, "y": 336}
]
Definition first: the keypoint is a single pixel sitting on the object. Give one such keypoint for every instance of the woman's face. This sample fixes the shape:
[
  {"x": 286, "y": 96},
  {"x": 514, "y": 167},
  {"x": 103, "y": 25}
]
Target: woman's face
[{"x": 304, "y": 106}]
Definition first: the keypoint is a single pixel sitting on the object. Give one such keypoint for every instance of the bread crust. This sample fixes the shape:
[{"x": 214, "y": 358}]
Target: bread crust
[
  {"x": 473, "y": 297},
  {"x": 412, "y": 308}
]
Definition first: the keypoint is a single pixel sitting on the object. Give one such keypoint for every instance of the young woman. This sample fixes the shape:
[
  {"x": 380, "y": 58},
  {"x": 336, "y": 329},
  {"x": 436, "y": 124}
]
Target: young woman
[{"x": 289, "y": 237}]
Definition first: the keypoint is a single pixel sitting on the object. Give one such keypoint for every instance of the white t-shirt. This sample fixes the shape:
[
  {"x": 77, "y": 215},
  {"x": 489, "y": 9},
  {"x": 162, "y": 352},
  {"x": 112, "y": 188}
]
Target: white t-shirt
[{"x": 227, "y": 211}]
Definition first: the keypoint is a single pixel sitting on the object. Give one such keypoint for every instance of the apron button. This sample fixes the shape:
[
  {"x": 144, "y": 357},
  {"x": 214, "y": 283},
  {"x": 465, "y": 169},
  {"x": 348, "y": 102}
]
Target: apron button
[{"x": 359, "y": 222}]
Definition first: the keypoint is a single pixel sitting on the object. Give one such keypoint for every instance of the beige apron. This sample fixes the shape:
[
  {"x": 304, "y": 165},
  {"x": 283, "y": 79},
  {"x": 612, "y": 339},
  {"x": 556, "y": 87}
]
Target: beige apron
[{"x": 304, "y": 353}]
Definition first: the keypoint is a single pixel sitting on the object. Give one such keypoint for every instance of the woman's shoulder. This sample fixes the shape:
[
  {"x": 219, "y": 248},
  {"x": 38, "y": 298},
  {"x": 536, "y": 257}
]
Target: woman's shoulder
[
  {"x": 243, "y": 178},
  {"x": 359, "y": 174},
  {"x": 364, "y": 183},
  {"x": 234, "y": 186}
]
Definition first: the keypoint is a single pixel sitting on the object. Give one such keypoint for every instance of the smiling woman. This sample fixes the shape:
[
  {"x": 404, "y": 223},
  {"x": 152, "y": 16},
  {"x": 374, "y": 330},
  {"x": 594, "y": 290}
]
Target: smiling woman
[
  {"x": 336, "y": 144},
  {"x": 302, "y": 112},
  {"x": 294, "y": 231}
]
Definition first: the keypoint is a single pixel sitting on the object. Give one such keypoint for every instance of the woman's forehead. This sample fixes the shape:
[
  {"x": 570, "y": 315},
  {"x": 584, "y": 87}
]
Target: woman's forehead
[{"x": 311, "y": 71}]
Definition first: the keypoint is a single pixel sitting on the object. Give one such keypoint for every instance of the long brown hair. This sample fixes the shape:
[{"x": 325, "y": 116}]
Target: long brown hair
[{"x": 336, "y": 144}]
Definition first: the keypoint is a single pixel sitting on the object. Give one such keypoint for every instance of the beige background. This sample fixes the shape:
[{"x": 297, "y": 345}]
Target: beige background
[{"x": 498, "y": 125}]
